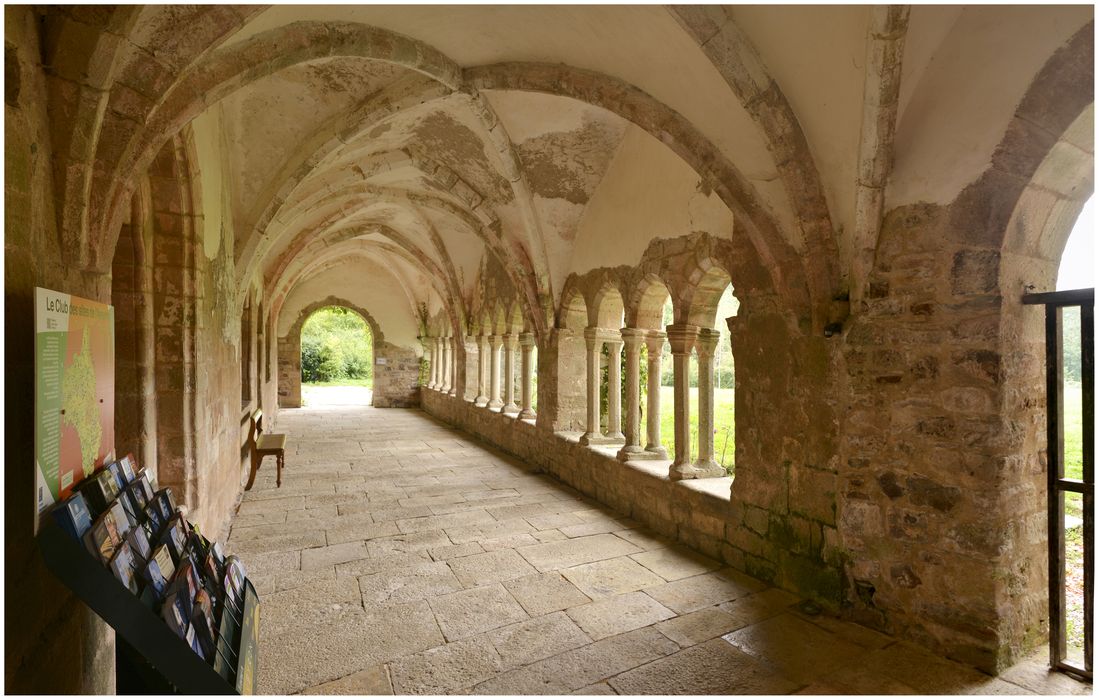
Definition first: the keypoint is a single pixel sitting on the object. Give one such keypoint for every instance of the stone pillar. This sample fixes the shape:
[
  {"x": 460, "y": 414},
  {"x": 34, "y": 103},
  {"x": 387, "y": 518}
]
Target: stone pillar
[
  {"x": 706, "y": 466},
  {"x": 592, "y": 436},
  {"x": 654, "y": 341},
  {"x": 526, "y": 343},
  {"x": 426, "y": 343},
  {"x": 434, "y": 383},
  {"x": 452, "y": 366},
  {"x": 511, "y": 347},
  {"x": 614, "y": 391},
  {"x": 482, "y": 370},
  {"x": 470, "y": 354},
  {"x": 682, "y": 338},
  {"x": 632, "y": 337},
  {"x": 494, "y": 401},
  {"x": 444, "y": 385}
]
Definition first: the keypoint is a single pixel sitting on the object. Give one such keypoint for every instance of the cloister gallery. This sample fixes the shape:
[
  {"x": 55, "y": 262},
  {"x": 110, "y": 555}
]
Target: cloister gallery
[{"x": 539, "y": 210}]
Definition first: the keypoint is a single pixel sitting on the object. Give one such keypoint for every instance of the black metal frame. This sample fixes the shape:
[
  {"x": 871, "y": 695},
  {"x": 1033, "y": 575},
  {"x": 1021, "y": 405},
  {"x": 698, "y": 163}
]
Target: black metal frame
[
  {"x": 169, "y": 661},
  {"x": 1058, "y": 485}
]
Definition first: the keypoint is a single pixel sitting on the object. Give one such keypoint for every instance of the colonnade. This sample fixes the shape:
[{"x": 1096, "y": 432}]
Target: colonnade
[
  {"x": 496, "y": 370},
  {"x": 683, "y": 339},
  {"x": 496, "y": 388}
]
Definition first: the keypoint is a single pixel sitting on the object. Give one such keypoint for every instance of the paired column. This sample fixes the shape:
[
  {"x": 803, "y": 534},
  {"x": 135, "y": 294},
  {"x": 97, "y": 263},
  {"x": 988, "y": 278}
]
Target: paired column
[
  {"x": 452, "y": 366},
  {"x": 445, "y": 385},
  {"x": 526, "y": 344},
  {"x": 425, "y": 342},
  {"x": 494, "y": 401},
  {"x": 632, "y": 337},
  {"x": 706, "y": 466},
  {"x": 469, "y": 342},
  {"x": 654, "y": 342},
  {"x": 594, "y": 346},
  {"x": 434, "y": 384},
  {"x": 511, "y": 347},
  {"x": 682, "y": 338},
  {"x": 614, "y": 391},
  {"x": 482, "y": 371}
]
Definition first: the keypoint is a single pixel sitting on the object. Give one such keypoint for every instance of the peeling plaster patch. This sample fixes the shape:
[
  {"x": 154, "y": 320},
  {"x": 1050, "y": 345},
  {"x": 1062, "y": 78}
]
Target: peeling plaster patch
[
  {"x": 455, "y": 145},
  {"x": 569, "y": 165}
]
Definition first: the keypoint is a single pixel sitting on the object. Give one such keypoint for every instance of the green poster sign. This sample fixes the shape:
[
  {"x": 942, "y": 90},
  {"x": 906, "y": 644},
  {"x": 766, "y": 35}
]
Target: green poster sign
[{"x": 74, "y": 391}]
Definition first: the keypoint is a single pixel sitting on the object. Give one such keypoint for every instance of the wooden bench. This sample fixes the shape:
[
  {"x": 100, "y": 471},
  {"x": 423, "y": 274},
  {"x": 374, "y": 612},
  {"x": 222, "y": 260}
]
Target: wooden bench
[{"x": 260, "y": 446}]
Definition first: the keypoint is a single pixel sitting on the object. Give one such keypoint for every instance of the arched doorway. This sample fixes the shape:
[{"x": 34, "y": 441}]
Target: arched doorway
[{"x": 337, "y": 358}]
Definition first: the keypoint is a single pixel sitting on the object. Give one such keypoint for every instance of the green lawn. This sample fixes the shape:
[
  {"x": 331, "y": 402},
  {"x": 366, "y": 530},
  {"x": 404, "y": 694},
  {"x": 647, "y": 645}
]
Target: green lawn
[
  {"x": 723, "y": 424},
  {"x": 1074, "y": 431}
]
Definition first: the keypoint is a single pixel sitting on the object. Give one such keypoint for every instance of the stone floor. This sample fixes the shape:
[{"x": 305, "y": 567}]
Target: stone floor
[{"x": 402, "y": 557}]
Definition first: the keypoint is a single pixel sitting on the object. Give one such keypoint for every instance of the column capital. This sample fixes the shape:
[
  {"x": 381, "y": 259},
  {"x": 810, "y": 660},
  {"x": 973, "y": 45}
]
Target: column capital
[
  {"x": 527, "y": 340},
  {"x": 707, "y": 341},
  {"x": 511, "y": 341},
  {"x": 655, "y": 342},
  {"x": 682, "y": 337},
  {"x": 633, "y": 336},
  {"x": 470, "y": 339},
  {"x": 615, "y": 344},
  {"x": 496, "y": 341}
]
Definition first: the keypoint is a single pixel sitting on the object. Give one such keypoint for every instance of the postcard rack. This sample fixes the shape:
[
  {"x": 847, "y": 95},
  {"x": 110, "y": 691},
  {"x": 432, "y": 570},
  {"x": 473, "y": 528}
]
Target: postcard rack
[{"x": 152, "y": 658}]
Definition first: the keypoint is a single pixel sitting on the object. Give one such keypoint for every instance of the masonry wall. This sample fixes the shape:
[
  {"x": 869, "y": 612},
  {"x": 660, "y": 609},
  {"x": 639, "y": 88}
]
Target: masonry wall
[{"x": 53, "y": 643}]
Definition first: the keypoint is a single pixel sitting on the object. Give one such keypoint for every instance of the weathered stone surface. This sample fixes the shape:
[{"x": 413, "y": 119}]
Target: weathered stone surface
[
  {"x": 406, "y": 585},
  {"x": 470, "y": 612},
  {"x": 580, "y": 667},
  {"x": 610, "y": 577},
  {"x": 672, "y": 563},
  {"x": 699, "y": 626},
  {"x": 711, "y": 668},
  {"x": 490, "y": 567},
  {"x": 371, "y": 681},
  {"x": 533, "y": 640},
  {"x": 798, "y": 649},
  {"x": 545, "y": 593},
  {"x": 610, "y": 616},
  {"x": 689, "y": 594},
  {"x": 446, "y": 668},
  {"x": 550, "y": 556}
]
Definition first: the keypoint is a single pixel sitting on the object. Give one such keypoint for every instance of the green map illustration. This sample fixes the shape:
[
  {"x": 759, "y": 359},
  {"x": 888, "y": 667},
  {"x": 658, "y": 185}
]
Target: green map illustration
[{"x": 81, "y": 406}]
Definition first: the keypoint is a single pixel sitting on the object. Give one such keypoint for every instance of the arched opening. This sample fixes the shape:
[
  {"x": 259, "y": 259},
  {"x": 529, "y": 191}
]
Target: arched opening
[
  {"x": 337, "y": 358},
  {"x": 1076, "y": 271}
]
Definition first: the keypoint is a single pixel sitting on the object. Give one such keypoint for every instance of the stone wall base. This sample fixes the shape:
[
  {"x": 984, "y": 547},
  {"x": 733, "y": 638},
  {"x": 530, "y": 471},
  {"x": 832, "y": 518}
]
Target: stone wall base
[{"x": 691, "y": 512}]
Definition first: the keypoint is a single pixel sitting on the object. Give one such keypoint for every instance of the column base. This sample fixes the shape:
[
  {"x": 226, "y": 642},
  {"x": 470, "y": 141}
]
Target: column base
[
  {"x": 480, "y": 401},
  {"x": 453, "y": 392},
  {"x": 630, "y": 452},
  {"x": 510, "y": 408},
  {"x": 656, "y": 452},
  {"x": 641, "y": 454},
  {"x": 686, "y": 470},
  {"x": 527, "y": 413},
  {"x": 494, "y": 405},
  {"x": 598, "y": 439},
  {"x": 617, "y": 437}
]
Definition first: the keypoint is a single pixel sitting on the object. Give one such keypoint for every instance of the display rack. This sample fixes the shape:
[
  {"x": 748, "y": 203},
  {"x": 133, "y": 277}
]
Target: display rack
[{"x": 172, "y": 666}]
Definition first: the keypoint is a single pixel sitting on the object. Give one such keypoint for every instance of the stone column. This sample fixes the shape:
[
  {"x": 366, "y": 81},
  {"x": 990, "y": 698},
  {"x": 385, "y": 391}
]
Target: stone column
[
  {"x": 632, "y": 337},
  {"x": 682, "y": 338},
  {"x": 706, "y": 466},
  {"x": 425, "y": 342},
  {"x": 482, "y": 370},
  {"x": 469, "y": 342},
  {"x": 654, "y": 341},
  {"x": 614, "y": 391},
  {"x": 593, "y": 436},
  {"x": 526, "y": 343},
  {"x": 452, "y": 349},
  {"x": 445, "y": 365},
  {"x": 511, "y": 346},
  {"x": 434, "y": 384},
  {"x": 494, "y": 401}
]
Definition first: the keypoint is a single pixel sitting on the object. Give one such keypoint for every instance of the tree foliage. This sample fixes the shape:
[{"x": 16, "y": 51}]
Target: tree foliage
[{"x": 336, "y": 344}]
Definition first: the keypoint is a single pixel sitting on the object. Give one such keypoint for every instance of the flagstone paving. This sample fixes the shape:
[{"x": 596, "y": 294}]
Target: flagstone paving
[{"x": 401, "y": 556}]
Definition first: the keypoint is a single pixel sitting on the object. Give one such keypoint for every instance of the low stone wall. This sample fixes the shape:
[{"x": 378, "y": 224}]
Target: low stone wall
[{"x": 692, "y": 512}]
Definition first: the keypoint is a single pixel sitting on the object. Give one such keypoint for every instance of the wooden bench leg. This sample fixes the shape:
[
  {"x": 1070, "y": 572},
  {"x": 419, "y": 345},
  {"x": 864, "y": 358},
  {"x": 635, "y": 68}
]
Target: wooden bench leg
[
  {"x": 278, "y": 478},
  {"x": 252, "y": 475}
]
